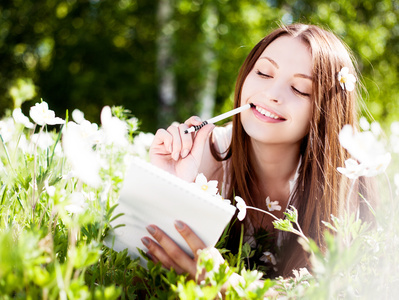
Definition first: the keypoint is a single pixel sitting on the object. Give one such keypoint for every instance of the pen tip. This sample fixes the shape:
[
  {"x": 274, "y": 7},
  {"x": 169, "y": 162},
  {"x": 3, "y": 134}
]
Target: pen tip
[
  {"x": 251, "y": 104},
  {"x": 186, "y": 131}
]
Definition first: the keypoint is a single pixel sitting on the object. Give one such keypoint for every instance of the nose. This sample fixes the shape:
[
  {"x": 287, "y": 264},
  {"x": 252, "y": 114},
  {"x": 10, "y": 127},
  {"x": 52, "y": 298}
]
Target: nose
[{"x": 274, "y": 92}]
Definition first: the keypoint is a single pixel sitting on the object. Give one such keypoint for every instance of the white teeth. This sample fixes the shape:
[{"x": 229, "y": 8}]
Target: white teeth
[{"x": 266, "y": 113}]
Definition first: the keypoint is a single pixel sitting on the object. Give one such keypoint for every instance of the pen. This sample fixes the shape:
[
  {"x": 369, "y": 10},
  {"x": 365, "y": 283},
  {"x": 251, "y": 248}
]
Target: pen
[{"x": 219, "y": 118}]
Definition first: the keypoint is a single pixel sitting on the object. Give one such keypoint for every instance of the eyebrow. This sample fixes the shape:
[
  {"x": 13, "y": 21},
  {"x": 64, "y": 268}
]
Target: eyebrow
[{"x": 277, "y": 67}]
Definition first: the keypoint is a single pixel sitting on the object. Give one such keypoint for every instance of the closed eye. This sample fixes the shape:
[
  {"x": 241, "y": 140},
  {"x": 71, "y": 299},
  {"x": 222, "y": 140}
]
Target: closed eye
[
  {"x": 263, "y": 74},
  {"x": 300, "y": 93}
]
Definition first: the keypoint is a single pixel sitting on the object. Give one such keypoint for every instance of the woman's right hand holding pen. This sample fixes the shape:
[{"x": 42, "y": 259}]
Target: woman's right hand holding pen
[{"x": 180, "y": 153}]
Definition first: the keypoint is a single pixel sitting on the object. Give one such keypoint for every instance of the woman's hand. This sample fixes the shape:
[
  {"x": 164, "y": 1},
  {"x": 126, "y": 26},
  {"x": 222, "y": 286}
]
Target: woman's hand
[
  {"x": 171, "y": 255},
  {"x": 180, "y": 153}
]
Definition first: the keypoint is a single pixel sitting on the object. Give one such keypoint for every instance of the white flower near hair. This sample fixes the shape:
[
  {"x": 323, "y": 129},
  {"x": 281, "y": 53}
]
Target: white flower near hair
[
  {"x": 220, "y": 197},
  {"x": 205, "y": 185},
  {"x": 365, "y": 148},
  {"x": 242, "y": 208},
  {"x": 268, "y": 257},
  {"x": 346, "y": 80},
  {"x": 352, "y": 169},
  {"x": 364, "y": 124},
  {"x": 301, "y": 274},
  {"x": 272, "y": 205}
]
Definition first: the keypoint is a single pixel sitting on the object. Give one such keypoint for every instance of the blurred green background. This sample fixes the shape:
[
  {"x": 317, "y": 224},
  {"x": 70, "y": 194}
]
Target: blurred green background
[{"x": 168, "y": 59}]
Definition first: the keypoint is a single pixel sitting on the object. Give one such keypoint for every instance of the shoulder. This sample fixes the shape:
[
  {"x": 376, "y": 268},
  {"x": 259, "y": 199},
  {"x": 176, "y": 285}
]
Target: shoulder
[{"x": 221, "y": 139}]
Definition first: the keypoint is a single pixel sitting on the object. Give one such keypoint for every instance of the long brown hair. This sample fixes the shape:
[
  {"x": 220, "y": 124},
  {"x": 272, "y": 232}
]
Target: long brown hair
[{"x": 320, "y": 189}]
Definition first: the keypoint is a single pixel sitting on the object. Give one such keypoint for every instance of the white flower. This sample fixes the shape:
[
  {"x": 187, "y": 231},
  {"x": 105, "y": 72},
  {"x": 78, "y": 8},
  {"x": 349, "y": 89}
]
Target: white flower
[
  {"x": 78, "y": 116},
  {"x": 49, "y": 189},
  {"x": 268, "y": 257},
  {"x": 352, "y": 169},
  {"x": 77, "y": 203},
  {"x": 375, "y": 128},
  {"x": 301, "y": 273},
  {"x": 25, "y": 146},
  {"x": 115, "y": 130},
  {"x": 378, "y": 165},
  {"x": 205, "y": 185},
  {"x": 133, "y": 123},
  {"x": 220, "y": 197},
  {"x": 242, "y": 207},
  {"x": 395, "y": 128},
  {"x": 364, "y": 147},
  {"x": 19, "y": 117},
  {"x": 42, "y": 115},
  {"x": 361, "y": 145},
  {"x": 346, "y": 80},
  {"x": 141, "y": 144},
  {"x": 90, "y": 133},
  {"x": 210, "y": 253},
  {"x": 272, "y": 205},
  {"x": 7, "y": 129},
  {"x": 364, "y": 124},
  {"x": 84, "y": 161},
  {"x": 43, "y": 140}
]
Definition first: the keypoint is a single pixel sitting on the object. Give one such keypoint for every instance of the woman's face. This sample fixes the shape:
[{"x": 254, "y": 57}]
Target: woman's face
[{"x": 280, "y": 86}]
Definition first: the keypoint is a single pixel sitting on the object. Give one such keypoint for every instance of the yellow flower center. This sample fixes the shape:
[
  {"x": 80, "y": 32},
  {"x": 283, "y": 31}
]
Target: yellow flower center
[
  {"x": 343, "y": 80},
  {"x": 204, "y": 187}
]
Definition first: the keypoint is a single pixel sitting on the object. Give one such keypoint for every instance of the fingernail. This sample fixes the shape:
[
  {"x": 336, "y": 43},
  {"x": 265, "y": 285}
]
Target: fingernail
[
  {"x": 151, "y": 229},
  {"x": 198, "y": 119},
  {"x": 179, "y": 225},
  {"x": 145, "y": 241},
  {"x": 185, "y": 153}
]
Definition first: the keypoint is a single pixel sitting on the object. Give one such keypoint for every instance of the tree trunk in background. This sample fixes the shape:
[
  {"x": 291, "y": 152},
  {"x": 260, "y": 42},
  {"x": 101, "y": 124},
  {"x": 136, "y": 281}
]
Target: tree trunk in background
[
  {"x": 166, "y": 86},
  {"x": 208, "y": 94}
]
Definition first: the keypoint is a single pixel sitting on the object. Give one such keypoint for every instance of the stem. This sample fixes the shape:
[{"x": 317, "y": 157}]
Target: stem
[
  {"x": 264, "y": 211},
  {"x": 349, "y": 194},
  {"x": 300, "y": 232},
  {"x": 390, "y": 188},
  {"x": 34, "y": 172},
  {"x": 5, "y": 149}
]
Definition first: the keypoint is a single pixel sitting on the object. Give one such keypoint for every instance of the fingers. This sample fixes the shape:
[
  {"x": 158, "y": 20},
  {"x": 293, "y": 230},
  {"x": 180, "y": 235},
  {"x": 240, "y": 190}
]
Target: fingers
[
  {"x": 168, "y": 252},
  {"x": 157, "y": 253},
  {"x": 193, "y": 241},
  {"x": 174, "y": 142},
  {"x": 162, "y": 143},
  {"x": 182, "y": 142},
  {"x": 200, "y": 140}
]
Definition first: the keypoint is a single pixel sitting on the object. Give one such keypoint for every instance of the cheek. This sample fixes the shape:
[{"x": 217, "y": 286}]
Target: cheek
[
  {"x": 250, "y": 87},
  {"x": 304, "y": 117}
]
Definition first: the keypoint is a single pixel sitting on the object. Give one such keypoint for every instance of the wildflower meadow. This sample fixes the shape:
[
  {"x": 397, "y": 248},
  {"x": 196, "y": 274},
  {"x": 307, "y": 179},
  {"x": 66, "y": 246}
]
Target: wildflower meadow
[{"x": 59, "y": 187}]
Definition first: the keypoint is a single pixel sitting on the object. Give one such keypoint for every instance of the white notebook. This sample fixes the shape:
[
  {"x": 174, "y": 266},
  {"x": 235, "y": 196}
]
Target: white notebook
[{"x": 151, "y": 195}]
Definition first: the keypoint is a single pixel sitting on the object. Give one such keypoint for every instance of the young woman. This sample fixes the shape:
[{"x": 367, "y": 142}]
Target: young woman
[{"x": 285, "y": 148}]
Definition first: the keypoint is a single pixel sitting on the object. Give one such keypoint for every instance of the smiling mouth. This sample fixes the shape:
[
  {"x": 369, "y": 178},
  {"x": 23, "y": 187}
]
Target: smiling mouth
[{"x": 268, "y": 113}]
